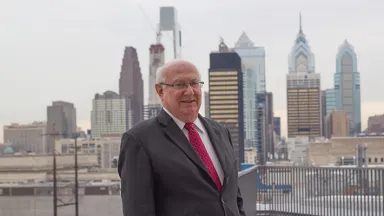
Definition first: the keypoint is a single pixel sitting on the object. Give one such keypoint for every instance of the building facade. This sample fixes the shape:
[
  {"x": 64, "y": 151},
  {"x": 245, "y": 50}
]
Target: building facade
[
  {"x": 277, "y": 126},
  {"x": 108, "y": 115},
  {"x": 375, "y": 124},
  {"x": 152, "y": 110},
  {"x": 226, "y": 95},
  {"x": 323, "y": 99},
  {"x": 131, "y": 85},
  {"x": 253, "y": 69},
  {"x": 304, "y": 105},
  {"x": 336, "y": 124},
  {"x": 27, "y": 137},
  {"x": 347, "y": 86},
  {"x": 270, "y": 126}
]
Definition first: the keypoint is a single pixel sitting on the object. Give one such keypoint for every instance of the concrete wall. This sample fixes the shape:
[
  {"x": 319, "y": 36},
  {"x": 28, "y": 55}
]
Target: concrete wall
[
  {"x": 43, "y": 206},
  {"x": 44, "y": 161}
]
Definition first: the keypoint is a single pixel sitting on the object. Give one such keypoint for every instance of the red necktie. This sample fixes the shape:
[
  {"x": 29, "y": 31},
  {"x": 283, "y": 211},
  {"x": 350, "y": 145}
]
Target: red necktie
[{"x": 199, "y": 147}]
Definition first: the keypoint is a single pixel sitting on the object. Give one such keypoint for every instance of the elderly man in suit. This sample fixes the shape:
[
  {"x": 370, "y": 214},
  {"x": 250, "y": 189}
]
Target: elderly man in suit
[{"x": 179, "y": 163}]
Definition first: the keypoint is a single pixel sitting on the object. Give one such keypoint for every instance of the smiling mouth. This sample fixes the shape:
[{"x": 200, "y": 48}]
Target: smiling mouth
[{"x": 188, "y": 101}]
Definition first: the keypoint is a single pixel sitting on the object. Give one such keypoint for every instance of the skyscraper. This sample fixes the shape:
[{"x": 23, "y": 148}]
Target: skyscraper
[
  {"x": 131, "y": 86},
  {"x": 61, "y": 119},
  {"x": 303, "y": 91},
  {"x": 253, "y": 69},
  {"x": 108, "y": 115},
  {"x": 347, "y": 86},
  {"x": 226, "y": 95}
]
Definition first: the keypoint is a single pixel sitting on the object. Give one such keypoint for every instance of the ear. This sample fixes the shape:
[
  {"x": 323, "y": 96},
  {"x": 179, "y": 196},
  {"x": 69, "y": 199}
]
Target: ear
[{"x": 159, "y": 90}]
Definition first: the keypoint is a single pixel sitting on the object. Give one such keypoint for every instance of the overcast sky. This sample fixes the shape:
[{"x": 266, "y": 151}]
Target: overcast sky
[{"x": 70, "y": 49}]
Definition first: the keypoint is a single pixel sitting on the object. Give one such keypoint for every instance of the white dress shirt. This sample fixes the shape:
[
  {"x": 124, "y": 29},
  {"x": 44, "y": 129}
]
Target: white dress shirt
[{"x": 205, "y": 138}]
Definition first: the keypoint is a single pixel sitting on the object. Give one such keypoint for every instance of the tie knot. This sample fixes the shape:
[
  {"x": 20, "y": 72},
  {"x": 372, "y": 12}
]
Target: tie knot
[{"x": 189, "y": 126}]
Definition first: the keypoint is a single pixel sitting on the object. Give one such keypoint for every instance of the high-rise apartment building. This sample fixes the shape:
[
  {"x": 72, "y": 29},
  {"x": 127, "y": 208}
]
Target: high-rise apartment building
[
  {"x": 226, "y": 95},
  {"x": 131, "y": 86},
  {"x": 253, "y": 69},
  {"x": 108, "y": 115},
  {"x": 303, "y": 91},
  {"x": 61, "y": 119},
  {"x": 347, "y": 86},
  {"x": 27, "y": 137}
]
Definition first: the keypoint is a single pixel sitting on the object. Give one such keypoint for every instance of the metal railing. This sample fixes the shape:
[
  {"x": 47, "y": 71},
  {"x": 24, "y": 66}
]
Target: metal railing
[{"x": 320, "y": 191}]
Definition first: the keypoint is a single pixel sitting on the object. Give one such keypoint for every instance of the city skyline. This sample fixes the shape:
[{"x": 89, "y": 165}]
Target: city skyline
[{"x": 92, "y": 52}]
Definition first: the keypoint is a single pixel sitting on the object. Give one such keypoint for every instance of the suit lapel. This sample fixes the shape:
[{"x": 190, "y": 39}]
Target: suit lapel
[{"x": 177, "y": 136}]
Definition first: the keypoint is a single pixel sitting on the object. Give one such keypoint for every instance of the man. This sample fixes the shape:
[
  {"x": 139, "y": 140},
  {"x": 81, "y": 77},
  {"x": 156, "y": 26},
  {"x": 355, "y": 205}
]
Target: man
[{"x": 179, "y": 163}]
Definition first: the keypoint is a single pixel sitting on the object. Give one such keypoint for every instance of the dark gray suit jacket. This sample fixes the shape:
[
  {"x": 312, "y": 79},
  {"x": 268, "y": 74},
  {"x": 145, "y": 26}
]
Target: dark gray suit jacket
[{"x": 162, "y": 175}]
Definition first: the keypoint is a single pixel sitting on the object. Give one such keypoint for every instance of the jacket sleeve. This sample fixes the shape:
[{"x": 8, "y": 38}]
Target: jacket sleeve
[
  {"x": 136, "y": 176},
  {"x": 239, "y": 197}
]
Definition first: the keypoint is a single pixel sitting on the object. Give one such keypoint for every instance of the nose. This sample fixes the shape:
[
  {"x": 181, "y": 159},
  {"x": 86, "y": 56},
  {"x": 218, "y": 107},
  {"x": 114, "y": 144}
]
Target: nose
[{"x": 189, "y": 90}]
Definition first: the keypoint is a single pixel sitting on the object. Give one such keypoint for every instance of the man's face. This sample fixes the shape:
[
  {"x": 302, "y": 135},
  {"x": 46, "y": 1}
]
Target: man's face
[{"x": 183, "y": 99}]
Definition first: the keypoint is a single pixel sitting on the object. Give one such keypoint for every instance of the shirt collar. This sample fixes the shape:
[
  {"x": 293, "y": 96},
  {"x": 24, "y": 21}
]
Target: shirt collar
[{"x": 181, "y": 124}]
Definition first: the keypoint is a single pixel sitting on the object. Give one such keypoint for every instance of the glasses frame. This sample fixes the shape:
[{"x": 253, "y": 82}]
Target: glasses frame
[{"x": 175, "y": 85}]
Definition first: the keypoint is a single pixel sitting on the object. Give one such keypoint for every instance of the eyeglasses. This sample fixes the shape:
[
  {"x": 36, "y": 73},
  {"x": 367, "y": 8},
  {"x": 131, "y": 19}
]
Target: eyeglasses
[{"x": 183, "y": 85}]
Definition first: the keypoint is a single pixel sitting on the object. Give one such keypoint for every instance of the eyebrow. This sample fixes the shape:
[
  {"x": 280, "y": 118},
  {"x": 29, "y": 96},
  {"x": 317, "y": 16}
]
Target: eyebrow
[{"x": 194, "y": 79}]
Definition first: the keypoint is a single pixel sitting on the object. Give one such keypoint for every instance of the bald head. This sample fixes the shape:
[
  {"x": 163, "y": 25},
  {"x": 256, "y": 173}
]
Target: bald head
[
  {"x": 173, "y": 67},
  {"x": 178, "y": 85}
]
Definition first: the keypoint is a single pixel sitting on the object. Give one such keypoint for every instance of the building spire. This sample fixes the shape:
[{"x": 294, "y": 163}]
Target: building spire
[
  {"x": 222, "y": 46},
  {"x": 301, "y": 27}
]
